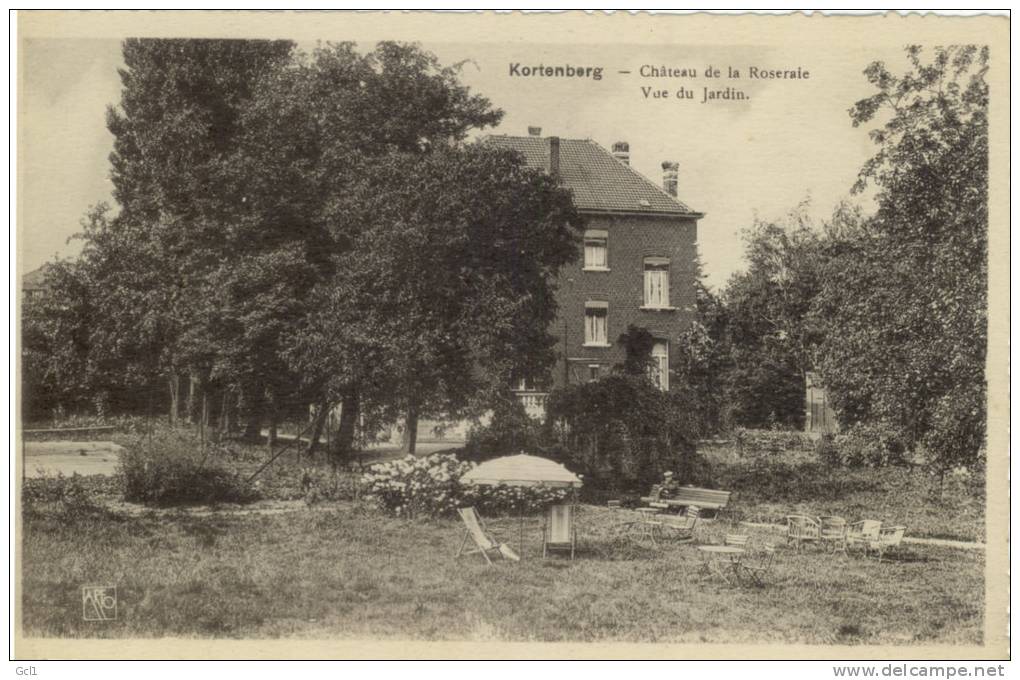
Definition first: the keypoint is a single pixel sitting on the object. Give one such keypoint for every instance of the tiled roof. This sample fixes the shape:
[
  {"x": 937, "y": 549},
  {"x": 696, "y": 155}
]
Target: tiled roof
[{"x": 598, "y": 180}]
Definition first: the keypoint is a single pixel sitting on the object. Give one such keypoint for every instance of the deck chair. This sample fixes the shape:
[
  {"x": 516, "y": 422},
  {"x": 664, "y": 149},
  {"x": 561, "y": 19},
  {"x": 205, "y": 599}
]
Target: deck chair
[
  {"x": 560, "y": 532},
  {"x": 862, "y": 533},
  {"x": 683, "y": 527},
  {"x": 801, "y": 529},
  {"x": 484, "y": 543},
  {"x": 756, "y": 571}
]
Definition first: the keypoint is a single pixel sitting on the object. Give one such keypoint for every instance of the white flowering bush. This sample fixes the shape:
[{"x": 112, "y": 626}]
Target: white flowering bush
[
  {"x": 417, "y": 487},
  {"x": 430, "y": 487},
  {"x": 513, "y": 500}
]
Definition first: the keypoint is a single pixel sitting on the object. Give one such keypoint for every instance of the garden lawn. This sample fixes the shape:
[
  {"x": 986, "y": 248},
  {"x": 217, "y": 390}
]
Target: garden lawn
[
  {"x": 795, "y": 482},
  {"x": 342, "y": 570}
]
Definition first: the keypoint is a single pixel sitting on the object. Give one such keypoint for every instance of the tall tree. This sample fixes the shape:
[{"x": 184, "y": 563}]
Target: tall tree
[
  {"x": 177, "y": 123},
  {"x": 317, "y": 128},
  {"x": 447, "y": 289},
  {"x": 905, "y": 300},
  {"x": 769, "y": 333},
  {"x": 704, "y": 357}
]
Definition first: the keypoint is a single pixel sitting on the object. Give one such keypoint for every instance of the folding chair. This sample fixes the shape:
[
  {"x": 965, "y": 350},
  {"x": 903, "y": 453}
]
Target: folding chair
[
  {"x": 736, "y": 540},
  {"x": 683, "y": 527},
  {"x": 484, "y": 543},
  {"x": 756, "y": 572}
]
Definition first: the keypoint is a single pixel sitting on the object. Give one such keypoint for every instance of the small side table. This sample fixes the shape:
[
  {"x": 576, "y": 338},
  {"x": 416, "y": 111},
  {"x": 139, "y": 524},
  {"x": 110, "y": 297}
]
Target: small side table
[{"x": 713, "y": 555}]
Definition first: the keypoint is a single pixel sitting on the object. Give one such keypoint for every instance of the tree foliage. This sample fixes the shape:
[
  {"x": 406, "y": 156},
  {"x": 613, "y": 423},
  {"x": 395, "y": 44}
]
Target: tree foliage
[
  {"x": 446, "y": 290},
  {"x": 905, "y": 294},
  {"x": 768, "y": 329},
  {"x": 624, "y": 433},
  {"x": 637, "y": 345},
  {"x": 303, "y": 228}
]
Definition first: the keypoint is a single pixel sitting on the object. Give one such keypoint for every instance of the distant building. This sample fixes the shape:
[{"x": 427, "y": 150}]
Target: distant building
[
  {"x": 33, "y": 284},
  {"x": 638, "y": 264}
]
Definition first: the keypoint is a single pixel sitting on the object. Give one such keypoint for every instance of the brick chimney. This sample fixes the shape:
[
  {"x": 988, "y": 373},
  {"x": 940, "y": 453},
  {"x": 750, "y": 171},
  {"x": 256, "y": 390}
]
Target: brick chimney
[
  {"x": 670, "y": 170},
  {"x": 621, "y": 152},
  {"x": 554, "y": 155},
  {"x": 534, "y": 131}
]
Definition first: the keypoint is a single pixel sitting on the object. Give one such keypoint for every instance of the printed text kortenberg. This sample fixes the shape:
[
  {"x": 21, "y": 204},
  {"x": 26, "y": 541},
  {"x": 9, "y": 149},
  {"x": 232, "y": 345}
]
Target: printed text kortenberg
[{"x": 562, "y": 71}]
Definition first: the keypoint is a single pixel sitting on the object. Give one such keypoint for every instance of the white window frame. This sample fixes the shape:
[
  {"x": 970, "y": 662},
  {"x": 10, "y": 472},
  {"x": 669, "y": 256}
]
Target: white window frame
[
  {"x": 659, "y": 370},
  {"x": 596, "y": 334},
  {"x": 596, "y": 250},
  {"x": 656, "y": 283}
]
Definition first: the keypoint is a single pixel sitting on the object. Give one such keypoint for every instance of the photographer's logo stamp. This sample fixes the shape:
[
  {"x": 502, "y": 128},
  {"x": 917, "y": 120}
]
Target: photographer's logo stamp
[{"x": 99, "y": 603}]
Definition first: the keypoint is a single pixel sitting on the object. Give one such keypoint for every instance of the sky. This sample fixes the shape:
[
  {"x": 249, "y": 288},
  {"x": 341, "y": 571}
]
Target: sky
[{"x": 789, "y": 141}]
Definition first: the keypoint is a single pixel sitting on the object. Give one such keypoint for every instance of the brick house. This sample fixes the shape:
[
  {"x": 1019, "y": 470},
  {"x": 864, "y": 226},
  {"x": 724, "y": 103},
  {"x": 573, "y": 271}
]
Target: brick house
[{"x": 638, "y": 266}]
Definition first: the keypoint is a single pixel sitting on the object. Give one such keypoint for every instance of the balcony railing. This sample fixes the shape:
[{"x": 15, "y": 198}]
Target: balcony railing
[{"x": 534, "y": 402}]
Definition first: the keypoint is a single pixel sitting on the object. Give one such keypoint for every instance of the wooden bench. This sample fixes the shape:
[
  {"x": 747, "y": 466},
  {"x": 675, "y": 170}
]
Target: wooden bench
[{"x": 706, "y": 499}]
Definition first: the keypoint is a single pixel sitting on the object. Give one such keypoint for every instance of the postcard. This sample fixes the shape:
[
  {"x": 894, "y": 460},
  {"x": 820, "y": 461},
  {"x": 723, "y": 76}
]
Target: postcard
[{"x": 511, "y": 335}]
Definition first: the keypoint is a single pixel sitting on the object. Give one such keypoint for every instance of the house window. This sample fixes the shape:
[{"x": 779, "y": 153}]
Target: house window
[
  {"x": 659, "y": 370},
  {"x": 596, "y": 249},
  {"x": 657, "y": 282},
  {"x": 596, "y": 332},
  {"x": 594, "y": 372}
]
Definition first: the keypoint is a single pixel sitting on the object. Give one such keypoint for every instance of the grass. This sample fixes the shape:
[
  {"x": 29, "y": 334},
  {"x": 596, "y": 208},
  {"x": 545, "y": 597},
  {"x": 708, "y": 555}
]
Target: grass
[
  {"x": 337, "y": 568},
  {"x": 768, "y": 490},
  {"x": 341, "y": 570}
]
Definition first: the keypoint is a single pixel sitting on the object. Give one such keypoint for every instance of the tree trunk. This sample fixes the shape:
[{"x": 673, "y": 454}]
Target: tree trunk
[
  {"x": 175, "y": 390},
  {"x": 411, "y": 428},
  {"x": 255, "y": 412},
  {"x": 350, "y": 406},
  {"x": 234, "y": 409},
  {"x": 224, "y": 424},
  {"x": 320, "y": 422},
  {"x": 204, "y": 422},
  {"x": 192, "y": 405},
  {"x": 272, "y": 415}
]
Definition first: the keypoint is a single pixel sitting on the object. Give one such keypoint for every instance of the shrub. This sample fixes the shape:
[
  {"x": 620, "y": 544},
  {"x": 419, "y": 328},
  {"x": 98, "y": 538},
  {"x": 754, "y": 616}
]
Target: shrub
[
  {"x": 169, "y": 469},
  {"x": 870, "y": 445},
  {"x": 322, "y": 485},
  {"x": 513, "y": 500},
  {"x": 827, "y": 451},
  {"x": 430, "y": 487},
  {"x": 511, "y": 430},
  {"x": 753, "y": 443},
  {"x": 623, "y": 433},
  {"x": 417, "y": 487},
  {"x": 69, "y": 496}
]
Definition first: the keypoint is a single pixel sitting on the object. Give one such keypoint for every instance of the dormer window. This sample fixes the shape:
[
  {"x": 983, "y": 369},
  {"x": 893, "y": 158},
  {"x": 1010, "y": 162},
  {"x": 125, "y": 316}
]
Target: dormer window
[{"x": 596, "y": 250}]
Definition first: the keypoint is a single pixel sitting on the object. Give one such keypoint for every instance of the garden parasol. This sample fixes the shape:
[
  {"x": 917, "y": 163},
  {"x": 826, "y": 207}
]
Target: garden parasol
[{"x": 522, "y": 470}]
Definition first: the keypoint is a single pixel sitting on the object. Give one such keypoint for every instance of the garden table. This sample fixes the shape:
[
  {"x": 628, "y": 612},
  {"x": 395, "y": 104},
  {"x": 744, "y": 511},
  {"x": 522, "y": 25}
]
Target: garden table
[{"x": 714, "y": 554}]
